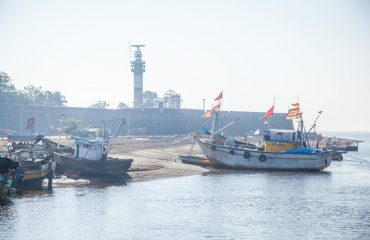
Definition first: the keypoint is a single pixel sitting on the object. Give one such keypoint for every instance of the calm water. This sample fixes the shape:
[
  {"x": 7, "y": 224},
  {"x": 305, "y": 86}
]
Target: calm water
[{"x": 230, "y": 205}]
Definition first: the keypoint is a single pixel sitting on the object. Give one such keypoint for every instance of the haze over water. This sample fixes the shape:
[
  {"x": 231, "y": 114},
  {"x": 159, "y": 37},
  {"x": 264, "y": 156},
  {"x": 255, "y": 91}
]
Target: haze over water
[{"x": 332, "y": 204}]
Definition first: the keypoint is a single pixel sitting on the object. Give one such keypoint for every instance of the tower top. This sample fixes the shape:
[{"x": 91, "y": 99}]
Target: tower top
[{"x": 138, "y": 46}]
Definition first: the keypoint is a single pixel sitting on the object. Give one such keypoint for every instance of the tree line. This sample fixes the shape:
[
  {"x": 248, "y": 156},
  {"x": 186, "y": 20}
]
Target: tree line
[
  {"x": 34, "y": 95},
  {"x": 28, "y": 95}
]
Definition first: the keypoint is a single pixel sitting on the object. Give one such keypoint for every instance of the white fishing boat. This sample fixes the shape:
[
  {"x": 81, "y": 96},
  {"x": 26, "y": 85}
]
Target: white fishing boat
[
  {"x": 282, "y": 150},
  {"x": 90, "y": 158},
  {"x": 303, "y": 159}
]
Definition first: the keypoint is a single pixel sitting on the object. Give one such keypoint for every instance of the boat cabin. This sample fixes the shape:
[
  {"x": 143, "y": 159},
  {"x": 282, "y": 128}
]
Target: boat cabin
[
  {"x": 277, "y": 140},
  {"x": 93, "y": 150}
]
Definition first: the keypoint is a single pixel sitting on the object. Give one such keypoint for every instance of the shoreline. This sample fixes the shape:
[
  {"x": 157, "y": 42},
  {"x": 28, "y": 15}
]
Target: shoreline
[{"x": 152, "y": 159}]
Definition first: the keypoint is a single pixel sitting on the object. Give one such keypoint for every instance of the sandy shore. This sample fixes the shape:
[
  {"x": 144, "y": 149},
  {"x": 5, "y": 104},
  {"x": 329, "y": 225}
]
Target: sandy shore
[
  {"x": 153, "y": 158},
  {"x": 158, "y": 158}
]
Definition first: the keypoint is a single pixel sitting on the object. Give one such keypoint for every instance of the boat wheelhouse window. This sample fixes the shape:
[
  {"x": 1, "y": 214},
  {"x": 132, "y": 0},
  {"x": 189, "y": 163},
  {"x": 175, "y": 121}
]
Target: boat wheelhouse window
[
  {"x": 229, "y": 142},
  {"x": 281, "y": 135}
]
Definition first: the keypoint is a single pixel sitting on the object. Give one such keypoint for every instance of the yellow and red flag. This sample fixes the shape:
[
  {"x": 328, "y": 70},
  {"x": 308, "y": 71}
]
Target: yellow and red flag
[{"x": 294, "y": 112}]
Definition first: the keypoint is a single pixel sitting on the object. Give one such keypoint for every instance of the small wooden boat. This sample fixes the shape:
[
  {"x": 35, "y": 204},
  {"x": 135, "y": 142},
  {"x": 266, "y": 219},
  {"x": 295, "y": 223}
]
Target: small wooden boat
[{"x": 194, "y": 160}]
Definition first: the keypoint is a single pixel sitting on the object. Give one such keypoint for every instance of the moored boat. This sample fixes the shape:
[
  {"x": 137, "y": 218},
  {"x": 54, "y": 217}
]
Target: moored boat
[
  {"x": 8, "y": 168},
  {"x": 240, "y": 158},
  {"x": 89, "y": 158},
  {"x": 35, "y": 160},
  {"x": 195, "y": 160},
  {"x": 283, "y": 149},
  {"x": 91, "y": 168}
]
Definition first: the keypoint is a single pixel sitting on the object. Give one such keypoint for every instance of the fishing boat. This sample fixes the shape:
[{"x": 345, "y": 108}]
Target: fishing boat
[
  {"x": 195, "y": 160},
  {"x": 90, "y": 158},
  {"x": 36, "y": 161},
  {"x": 8, "y": 168},
  {"x": 283, "y": 150}
]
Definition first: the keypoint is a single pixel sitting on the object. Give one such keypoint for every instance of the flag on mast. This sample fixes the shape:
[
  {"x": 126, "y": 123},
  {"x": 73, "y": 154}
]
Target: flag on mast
[
  {"x": 269, "y": 112},
  {"x": 30, "y": 123},
  {"x": 216, "y": 107},
  {"x": 220, "y": 96},
  {"x": 294, "y": 112}
]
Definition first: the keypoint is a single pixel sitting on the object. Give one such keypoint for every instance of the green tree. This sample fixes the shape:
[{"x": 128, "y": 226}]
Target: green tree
[
  {"x": 29, "y": 95},
  {"x": 8, "y": 92},
  {"x": 122, "y": 105},
  {"x": 71, "y": 125},
  {"x": 100, "y": 105},
  {"x": 37, "y": 96},
  {"x": 150, "y": 99}
]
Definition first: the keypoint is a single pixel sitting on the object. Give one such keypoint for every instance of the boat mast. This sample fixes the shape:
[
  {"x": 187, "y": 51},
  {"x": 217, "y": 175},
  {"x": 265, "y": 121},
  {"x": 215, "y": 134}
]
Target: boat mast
[
  {"x": 214, "y": 122},
  {"x": 301, "y": 126},
  {"x": 103, "y": 136}
]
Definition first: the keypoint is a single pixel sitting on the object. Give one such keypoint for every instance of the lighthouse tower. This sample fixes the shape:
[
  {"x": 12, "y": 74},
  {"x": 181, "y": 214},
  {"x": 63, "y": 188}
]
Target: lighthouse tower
[{"x": 138, "y": 68}]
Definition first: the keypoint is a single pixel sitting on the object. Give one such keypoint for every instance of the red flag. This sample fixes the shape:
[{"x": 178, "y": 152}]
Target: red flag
[
  {"x": 30, "y": 123},
  {"x": 269, "y": 112},
  {"x": 219, "y": 96},
  {"x": 217, "y": 107}
]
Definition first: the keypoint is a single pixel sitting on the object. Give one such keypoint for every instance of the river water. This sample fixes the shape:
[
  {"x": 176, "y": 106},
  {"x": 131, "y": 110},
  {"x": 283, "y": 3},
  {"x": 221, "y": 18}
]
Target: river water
[{"x": 332, "y": 204}]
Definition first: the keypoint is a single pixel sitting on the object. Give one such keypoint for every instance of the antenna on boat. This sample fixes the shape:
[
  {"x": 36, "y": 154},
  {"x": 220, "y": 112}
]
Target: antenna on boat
[
  {"x": 314, "y": 123},
  {"x": 114, "y": 137}
]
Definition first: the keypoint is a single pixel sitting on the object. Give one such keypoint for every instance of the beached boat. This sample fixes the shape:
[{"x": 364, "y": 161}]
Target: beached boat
[
  {"x": 195, "y": 160},
  {"x": 283, "y": 150},
  {"x": 303, "y": 159},
  {"x": 36, "y": 161},
  {"x": 8, "y": 168},
  {"x": 90, "y": 159},
  {"x": 90, "y": 168}
]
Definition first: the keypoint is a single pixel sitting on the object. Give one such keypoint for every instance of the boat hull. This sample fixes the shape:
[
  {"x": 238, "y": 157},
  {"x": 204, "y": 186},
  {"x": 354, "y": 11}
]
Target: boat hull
[
  {"x": 34, "y": 171},
  {"x": 230, "y": 157},
  {"x": 195, "y": 160},
  {"x": 89, "y": 168}
]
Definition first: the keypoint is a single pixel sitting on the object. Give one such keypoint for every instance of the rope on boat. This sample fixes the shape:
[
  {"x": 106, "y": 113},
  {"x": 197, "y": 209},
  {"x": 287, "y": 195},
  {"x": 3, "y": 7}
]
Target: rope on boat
[{"x": 357, "y": 158}]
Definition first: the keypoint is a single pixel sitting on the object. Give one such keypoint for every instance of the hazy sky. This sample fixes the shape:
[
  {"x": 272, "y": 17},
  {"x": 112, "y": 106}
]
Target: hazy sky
[{"x": 317, "y": 51}]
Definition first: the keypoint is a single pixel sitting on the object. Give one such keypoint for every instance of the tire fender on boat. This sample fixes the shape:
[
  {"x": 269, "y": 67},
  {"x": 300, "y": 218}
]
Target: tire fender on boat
[
  {"x": 213, "y": 147},
  {"x": 232, "y": 152},
  {"x": 247, "y": 154},
  {"x": 262, "y": 157}
]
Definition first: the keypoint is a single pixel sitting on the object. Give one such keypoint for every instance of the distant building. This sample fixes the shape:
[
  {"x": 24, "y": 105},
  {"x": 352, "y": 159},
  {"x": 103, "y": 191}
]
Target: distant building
[{"x": 171, "y": 99}]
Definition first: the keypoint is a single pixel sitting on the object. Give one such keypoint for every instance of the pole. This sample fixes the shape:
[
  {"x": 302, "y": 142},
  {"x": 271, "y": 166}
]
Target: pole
[
  {"x": 21, "y": 122},
  {"x": 102, "y": 136},
  {"x": 214, "y": 122},
  {"x": 204, "y": 104}
]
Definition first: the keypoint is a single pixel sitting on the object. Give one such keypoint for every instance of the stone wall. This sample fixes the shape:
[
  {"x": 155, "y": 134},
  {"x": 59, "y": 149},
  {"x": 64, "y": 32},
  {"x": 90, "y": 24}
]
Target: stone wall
[{"x": 148, "y": 121}]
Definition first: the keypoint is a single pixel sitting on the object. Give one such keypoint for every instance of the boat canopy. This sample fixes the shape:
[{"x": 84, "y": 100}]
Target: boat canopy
[{"x": 304, "y": 151}]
